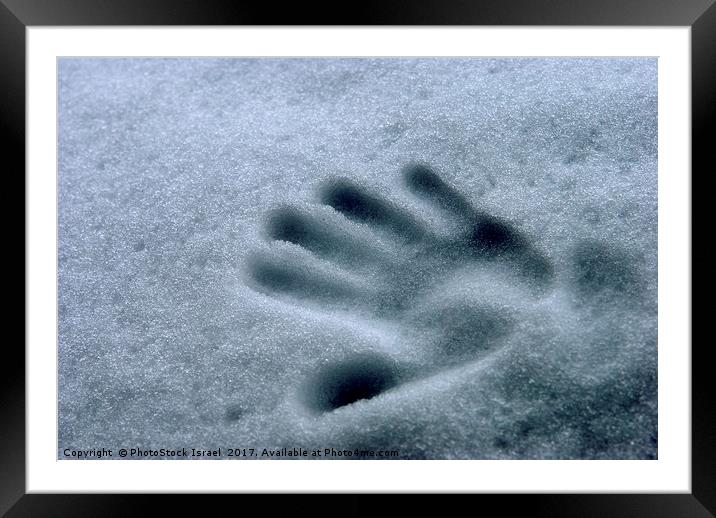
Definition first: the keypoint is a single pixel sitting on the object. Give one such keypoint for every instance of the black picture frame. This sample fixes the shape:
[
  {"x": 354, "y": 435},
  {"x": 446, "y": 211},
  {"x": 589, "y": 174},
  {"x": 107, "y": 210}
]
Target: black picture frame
[{"x": 16, "y": 15}]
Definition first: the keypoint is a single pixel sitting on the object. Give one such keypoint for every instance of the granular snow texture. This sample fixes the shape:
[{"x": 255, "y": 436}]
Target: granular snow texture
[{"x": 452, "y": 258}]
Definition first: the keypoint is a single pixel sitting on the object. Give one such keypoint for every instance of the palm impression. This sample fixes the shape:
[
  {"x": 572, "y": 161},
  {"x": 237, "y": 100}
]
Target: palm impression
[{"x": 408, "y": 275}]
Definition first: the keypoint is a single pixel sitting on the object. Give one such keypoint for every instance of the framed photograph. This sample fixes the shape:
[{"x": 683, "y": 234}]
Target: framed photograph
[{"x": 446, "y": 251}]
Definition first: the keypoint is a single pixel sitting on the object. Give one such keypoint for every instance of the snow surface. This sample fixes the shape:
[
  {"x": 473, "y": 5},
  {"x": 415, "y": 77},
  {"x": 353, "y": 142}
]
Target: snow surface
[{"x": 453, "y": 258}]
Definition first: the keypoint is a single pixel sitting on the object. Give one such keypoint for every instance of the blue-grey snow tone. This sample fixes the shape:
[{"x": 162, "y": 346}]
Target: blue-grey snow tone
[{"x": 440, "y": 258}]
